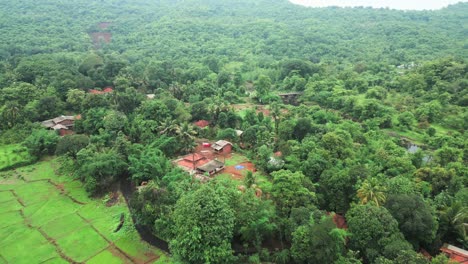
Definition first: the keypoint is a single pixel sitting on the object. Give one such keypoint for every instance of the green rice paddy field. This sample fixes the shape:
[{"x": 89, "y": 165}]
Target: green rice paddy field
[{"x": 47, "y": 218}]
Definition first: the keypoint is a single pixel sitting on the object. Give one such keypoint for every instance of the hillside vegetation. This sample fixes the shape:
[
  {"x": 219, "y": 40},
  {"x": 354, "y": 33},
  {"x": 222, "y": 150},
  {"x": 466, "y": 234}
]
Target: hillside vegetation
[{"x": 364, "y": 162}]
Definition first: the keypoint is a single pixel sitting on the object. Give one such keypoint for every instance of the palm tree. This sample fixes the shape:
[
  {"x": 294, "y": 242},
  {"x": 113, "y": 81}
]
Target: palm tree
[
  {"x": 186, "y": 135},
  {"x": 372, "y": 191},
  {"x": 11, "y": 113},
  {"x": 455, "y": 219},
  {"x": 169, "y": 127}
]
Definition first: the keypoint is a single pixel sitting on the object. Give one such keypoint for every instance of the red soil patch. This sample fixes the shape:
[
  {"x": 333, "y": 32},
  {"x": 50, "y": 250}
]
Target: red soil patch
[
  {"x": 339, "y": 220},
  {"x": 239, "y": 174}
]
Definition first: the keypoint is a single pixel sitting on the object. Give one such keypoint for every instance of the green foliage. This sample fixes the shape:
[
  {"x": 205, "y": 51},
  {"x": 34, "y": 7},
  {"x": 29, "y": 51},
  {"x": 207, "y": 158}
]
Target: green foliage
[
  {"x": 41, "y": 142},
  {"x": 203, "y": 227},
  {"x": 148, "y": 163},
  {"x": 318, "y": 242},
  {"x": 414, "y": 218},
  {"x": 291, "y": 190},
  {"x": 367, "y": 84},
  {"x": 98, "y": 170},
  {"x": 71, "y": 145},
  {"x": 374, "y": 232}
]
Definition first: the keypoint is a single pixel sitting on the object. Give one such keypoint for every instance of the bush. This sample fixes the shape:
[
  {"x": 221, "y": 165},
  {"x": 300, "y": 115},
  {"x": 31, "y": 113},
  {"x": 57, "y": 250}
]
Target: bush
[{"x": 41, "y": 142}]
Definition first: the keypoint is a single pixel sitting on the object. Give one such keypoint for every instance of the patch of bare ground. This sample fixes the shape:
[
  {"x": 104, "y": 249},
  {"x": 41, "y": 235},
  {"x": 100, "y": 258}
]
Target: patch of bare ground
[{"x": 239, "y": 174}]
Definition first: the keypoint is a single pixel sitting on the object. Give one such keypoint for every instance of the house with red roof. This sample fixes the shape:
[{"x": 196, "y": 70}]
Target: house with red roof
[
  {"x": 202, "y": 123},
  {"x": 455, "y": 253},
  {"x": 192, "y": 161}
]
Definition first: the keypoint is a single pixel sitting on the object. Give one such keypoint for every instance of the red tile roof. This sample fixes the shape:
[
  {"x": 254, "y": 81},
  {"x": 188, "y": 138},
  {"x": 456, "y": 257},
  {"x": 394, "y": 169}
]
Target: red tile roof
[
  {"x": 191, "y": 165},
  {"x": 456, "y": 254},
  {"x": 202, "y": 123},
  {"x": 194, "y": 157},
  {"x": 108, "y": 90}
]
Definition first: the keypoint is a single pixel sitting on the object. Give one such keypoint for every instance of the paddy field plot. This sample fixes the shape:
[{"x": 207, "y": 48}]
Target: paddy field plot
[{"x": 48, "y": 218}]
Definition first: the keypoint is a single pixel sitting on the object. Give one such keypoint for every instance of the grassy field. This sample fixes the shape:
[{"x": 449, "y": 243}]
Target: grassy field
[
  {"x": 12, "y": 154},
  {"x": 47, "y": 218}
]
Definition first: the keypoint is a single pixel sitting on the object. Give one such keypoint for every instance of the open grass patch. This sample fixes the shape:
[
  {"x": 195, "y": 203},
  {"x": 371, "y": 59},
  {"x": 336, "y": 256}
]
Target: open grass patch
[
  {"x": 105, "y": 257},
  {"x": 413, "y": 136},
  {"x": 26, "y": 245},
  {"x": 107, "y": 226},
  {"x": 9, "y": 206},
  {"x": 6, "y": 196},
  {"x": 235, "y": 159},
  {"x": 39, "y": 171},
  {"x": 11, "y": 218},
  {"x": 35, "y": 192},
  {"x": 40, "y": 214},
  {"x": 137, "y": 249},
  {"x": 60, "y": 210},
  {"x": 82, "y": 244},
  {"x": 56, "y": 260},
  {"x": 75, "y": 190},
  {"x": 63, "y": 225}
]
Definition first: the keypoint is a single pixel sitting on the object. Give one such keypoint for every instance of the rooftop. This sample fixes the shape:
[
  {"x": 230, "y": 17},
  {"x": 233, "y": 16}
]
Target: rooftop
[
  {"x": 455, "y": 253},
  {"x": 221, "y": 144},
  {"x": 202, "y": 123},
  {"x": 51, "y": 123},
  {"x": 211, "y": 166}
]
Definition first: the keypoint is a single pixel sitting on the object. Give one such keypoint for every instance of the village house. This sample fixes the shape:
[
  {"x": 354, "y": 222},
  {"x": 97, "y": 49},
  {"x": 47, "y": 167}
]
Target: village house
[
  {"x": 201, "y": 123},
  {"x": 455, "y": 254},
  {"x": 211, "y": 167},
  {"x": 62, "y": 124},
  {"x": 192, "y": 161},
  {"x": 222, "y": 146}
]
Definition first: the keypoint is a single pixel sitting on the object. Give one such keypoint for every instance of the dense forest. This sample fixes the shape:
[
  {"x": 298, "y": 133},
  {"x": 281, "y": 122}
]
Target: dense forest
[{"x": 376, "y": 135}]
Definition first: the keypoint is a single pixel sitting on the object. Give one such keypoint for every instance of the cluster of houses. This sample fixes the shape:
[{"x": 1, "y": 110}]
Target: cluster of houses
[{"x": 205, "y": 164}]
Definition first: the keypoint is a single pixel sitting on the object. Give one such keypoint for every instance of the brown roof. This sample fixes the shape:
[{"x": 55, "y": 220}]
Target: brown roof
[
  {"x": 211, "y": 166},
  {"x": 220, "y": 144},
  {"x": 53, "y": 122}
]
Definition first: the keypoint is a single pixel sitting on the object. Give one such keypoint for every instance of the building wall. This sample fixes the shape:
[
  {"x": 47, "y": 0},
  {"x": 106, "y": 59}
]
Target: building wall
[{"x": 227, "y": 149}]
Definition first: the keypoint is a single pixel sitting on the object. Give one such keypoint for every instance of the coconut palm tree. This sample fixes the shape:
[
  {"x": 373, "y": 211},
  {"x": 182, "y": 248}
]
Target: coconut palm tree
[
  {"x": 186, "y": 134},
  {"x": 168, "y": 127},
  {"x": 454, "y": 219},
  {"x": 11, "y": 113},
  {"x": 372, "y": 191}
]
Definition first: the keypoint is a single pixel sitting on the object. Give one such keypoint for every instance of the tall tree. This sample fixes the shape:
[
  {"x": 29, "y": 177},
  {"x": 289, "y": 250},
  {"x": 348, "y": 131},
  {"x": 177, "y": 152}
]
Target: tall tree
[
  {"x": 203, "y": 227},
  {"x": 371, "y": 190}
]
